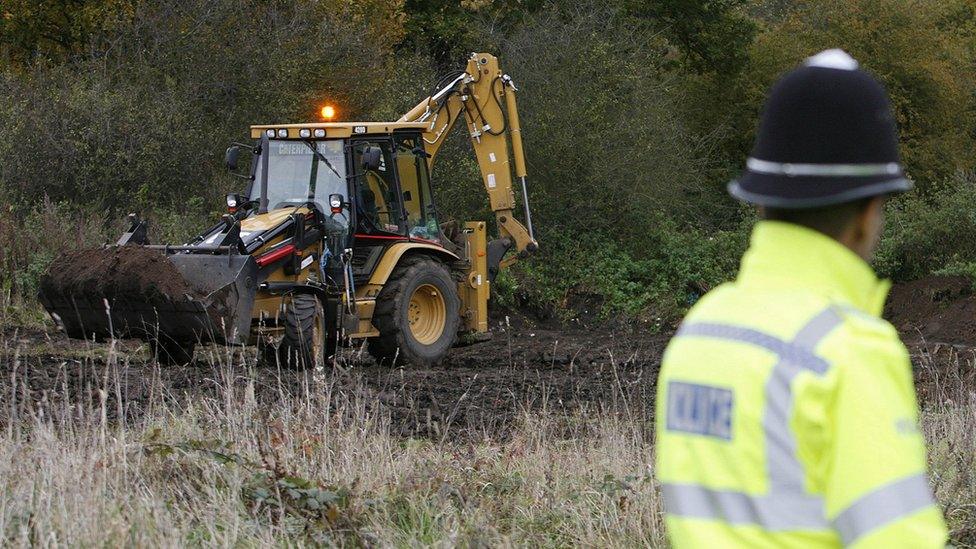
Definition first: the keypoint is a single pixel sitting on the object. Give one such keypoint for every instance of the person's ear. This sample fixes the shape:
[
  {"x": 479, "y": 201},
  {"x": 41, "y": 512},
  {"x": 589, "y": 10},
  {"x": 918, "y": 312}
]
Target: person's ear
[
  {"x": 875, "y": 211},
  {"x": 868, "y": 226}
]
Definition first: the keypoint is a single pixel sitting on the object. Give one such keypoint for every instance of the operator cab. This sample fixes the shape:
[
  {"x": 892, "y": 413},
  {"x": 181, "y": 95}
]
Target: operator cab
[{"x": 379, "y": 169}]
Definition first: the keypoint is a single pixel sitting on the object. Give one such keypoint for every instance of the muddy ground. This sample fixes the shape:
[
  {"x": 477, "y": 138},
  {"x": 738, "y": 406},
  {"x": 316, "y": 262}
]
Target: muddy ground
[
  {"x": 528, "y": 365},
  {"x": 584, "y": 366}
]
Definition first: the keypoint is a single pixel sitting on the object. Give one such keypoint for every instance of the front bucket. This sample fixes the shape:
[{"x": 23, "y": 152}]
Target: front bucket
[{"x": 216, "y": 308}]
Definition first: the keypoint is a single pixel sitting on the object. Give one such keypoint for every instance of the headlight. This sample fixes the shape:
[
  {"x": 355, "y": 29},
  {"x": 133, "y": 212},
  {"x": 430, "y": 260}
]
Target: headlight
[
  {"x": 282, "y": 133},
  {"x": 320, "y": 133},
  {"x": 269, "y": 133},
  {"x": 305, "y": 132}
]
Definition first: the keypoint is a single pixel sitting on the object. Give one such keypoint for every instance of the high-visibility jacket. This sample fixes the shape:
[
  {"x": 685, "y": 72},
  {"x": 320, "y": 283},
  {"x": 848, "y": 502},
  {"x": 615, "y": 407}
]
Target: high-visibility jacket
[{"x": 786, "y": 414}]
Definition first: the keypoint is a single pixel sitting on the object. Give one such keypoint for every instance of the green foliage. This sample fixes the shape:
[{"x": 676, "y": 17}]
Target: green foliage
[
  {"x": 931, "y": 234},
  {"x": 635, "y": 113},
  {"x": 678, "y": 266},
  {"x": 712, "y": 35},
  {"x": 607, "y": 147},
  {"x": 41, "y": 31},
  {"x": 30, "y": 239},
  {"x": 143, "y": 122},
  {"x": 915, "y": 48},
  {"x": 448, "y": 30}
]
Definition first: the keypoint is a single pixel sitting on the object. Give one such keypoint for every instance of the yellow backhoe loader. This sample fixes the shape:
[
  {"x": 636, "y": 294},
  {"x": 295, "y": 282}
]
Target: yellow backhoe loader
[{"x": 335, "y": 239}]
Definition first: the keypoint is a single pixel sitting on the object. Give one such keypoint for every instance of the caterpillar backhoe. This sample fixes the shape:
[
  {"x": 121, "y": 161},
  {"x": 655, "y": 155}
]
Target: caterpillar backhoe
[{"x": 335, "y": 239}]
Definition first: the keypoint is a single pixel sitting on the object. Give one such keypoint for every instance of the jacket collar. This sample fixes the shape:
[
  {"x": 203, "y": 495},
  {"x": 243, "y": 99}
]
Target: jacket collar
[{"x": 784, "y": 255}]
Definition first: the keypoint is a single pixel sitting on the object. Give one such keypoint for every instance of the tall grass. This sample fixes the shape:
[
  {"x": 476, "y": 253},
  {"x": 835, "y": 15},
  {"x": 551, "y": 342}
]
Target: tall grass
[
  {"x": 946, "y": 380},
  {"x": 158, "y": 466},
  {"x": 88, "y": 457}
]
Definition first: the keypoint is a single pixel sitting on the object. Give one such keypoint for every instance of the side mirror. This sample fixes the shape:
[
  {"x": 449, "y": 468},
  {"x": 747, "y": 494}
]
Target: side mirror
[
  {"x": 372, "y": 156},
  {"x": 230, "y": 157}
]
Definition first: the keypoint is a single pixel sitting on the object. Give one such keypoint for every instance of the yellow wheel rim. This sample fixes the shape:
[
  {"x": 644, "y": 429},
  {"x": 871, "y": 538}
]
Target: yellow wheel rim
[{"x": 427, "y": 314}]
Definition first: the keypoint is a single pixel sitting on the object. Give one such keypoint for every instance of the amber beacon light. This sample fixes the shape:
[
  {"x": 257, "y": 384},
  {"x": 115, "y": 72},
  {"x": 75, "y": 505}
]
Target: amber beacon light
[{"x": 328, "y": 112}]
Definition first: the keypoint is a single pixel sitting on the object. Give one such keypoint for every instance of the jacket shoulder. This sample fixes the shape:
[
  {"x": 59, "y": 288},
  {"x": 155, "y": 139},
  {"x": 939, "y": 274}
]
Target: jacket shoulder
[
  {"x": 865, "y": 342},
  {"x": 857, "y": 323}
]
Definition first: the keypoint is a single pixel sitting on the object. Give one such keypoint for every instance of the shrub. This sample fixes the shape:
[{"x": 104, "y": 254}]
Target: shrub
[
  {"x": 141, "y": 120},
  {"x": 928, "y": 234},
  {"x": 662, "y": 282}
]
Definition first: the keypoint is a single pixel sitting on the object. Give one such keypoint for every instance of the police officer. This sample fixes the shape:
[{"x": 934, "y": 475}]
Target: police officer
[{"x": 786, "y": 414}]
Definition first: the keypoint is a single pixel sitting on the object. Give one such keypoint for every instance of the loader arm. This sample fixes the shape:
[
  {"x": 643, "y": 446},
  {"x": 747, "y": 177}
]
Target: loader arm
[{"x": 485, "y": 98}]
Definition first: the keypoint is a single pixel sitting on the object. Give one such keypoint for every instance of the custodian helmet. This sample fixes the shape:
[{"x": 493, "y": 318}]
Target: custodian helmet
[{"x": 826, "y": 136}]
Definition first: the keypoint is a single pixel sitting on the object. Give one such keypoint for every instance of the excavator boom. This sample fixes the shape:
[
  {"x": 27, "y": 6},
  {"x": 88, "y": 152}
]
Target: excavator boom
[{"x": 485, "y": 98}]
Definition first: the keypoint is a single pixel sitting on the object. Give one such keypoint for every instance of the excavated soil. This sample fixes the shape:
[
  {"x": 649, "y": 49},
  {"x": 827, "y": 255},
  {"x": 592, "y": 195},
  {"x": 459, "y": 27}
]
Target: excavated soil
[
  {"x": 935, "y": 309},
  {"x": 126, "y": 272}
]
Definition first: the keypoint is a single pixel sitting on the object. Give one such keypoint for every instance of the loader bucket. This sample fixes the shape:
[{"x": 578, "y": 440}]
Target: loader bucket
[{"x": 215, "y": 305}]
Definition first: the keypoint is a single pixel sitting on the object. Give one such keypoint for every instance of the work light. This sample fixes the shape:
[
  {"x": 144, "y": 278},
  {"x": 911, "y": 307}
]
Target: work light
[
  {"x": 305, "y": 132},
  {"x": 320, "y": 133},
  {"x": 335, "y": 203},
  {"x": 282, "y": 133}
]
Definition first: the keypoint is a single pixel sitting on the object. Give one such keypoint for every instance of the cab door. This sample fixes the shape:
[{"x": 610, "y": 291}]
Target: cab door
[
  {"x": 379, "y": 216},
  {"x": 414, "y": 180},
  {"x": 378, "y": 206}
]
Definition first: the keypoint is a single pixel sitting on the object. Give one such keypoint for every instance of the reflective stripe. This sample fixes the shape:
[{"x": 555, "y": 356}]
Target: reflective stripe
[
  {"x": 790, "y": 352},
  {"x": 786, "y": 474},
  {"x": 882, "y": 506},
  {"x": 787, "y": 505},
  {"x": 791, "y": 169},
  {"x": 774, "y": 512}
]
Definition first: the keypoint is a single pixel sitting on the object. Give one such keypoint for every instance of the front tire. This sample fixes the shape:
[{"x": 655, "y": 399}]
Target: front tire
[
  {"x": 417, "y": 314},
  {"x": 302, "y": 343}
]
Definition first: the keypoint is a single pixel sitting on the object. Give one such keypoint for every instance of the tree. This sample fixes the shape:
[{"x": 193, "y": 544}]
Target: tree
[
  {"x": 53, "y": 30},
  {"x": 450, "y": 29},
  {"x": 712, "y": 35}
]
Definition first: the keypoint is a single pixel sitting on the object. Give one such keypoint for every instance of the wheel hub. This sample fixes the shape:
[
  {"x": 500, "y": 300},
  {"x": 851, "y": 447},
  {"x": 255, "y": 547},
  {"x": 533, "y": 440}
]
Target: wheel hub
[{"x": 427, "y": 314}]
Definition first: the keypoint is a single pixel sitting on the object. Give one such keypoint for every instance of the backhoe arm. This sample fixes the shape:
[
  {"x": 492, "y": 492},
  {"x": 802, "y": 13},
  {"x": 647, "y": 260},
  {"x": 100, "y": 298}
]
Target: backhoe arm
[{"x": 478, "y": 95}]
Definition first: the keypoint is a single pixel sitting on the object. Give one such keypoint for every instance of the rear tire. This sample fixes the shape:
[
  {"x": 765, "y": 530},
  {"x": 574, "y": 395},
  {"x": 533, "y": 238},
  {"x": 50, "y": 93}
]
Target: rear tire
[
  {"x": 172, "y": 353},
  {"x": 417, "y": 314},
  {"x": 303, "y": 342}
]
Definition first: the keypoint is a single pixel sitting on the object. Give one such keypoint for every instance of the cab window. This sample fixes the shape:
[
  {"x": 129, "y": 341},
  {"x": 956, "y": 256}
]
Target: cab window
[
  {"x": 418, "y": 204},
  {"x": 376, "y": 194},
  {"x": 299, "y": 173}
]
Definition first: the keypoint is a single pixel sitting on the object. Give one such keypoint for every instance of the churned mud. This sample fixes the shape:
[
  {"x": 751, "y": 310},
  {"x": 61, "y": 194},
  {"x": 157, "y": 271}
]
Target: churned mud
[
  {"x": 482, "y": 389},
  {"x": 934, "y": 309},
  {"x": 576, "y": 368}
]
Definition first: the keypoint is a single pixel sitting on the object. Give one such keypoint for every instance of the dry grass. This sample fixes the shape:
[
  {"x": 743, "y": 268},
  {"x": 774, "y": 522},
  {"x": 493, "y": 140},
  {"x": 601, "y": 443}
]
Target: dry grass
[
  {"x": 322, "y": 466},
  {"x": 946, "y": 379}
]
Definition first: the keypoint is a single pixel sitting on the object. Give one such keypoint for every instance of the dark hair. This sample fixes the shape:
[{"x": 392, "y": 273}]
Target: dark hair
[{"x": 829, "y": 220}]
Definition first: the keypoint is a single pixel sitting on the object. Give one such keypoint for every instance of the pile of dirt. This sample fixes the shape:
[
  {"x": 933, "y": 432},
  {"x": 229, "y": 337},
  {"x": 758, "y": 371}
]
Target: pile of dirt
[
  {"x": 126, "y": 272},
  {"x": 936, "y": 309}
]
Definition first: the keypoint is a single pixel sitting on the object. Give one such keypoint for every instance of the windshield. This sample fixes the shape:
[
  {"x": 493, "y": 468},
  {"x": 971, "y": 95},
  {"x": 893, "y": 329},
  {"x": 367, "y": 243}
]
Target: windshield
[{"x": 293, "y": 166}]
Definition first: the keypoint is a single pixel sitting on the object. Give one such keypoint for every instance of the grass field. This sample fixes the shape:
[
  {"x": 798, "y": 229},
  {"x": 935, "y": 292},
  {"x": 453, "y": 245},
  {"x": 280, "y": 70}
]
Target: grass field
[{"x": 239, "y": 456}]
